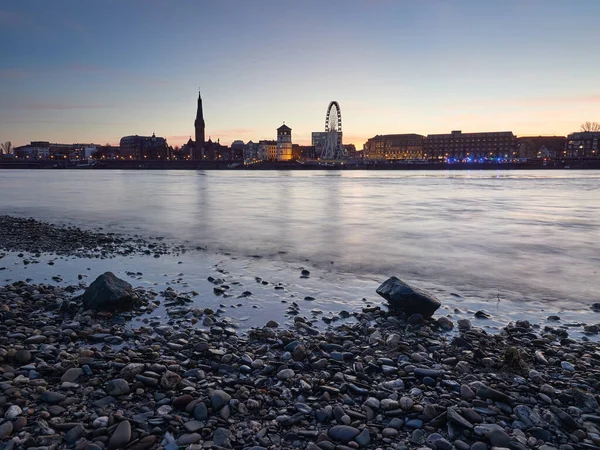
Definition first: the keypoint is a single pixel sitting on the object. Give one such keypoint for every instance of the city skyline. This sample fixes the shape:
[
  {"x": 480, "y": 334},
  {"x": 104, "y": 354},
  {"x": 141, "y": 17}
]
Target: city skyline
[{"x": 123, "y": 68}]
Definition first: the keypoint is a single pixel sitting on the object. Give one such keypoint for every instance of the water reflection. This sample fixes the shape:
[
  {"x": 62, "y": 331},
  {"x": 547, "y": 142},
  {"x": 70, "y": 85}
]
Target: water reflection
[{"x": 526, "y": 234}]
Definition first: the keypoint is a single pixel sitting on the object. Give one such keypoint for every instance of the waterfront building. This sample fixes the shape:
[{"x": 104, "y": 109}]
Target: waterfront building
[
  {"x": 319, "y": 138},
  {"x": 144, "y": 147},
  {"x": 250, "y": 151},
  {"x": 284, "y": 143},
  {"x": 459, "y": 146},
  {"x": 47, "y": 150},
  {"x": 583, "y": 144},
  {"x": 308, "y": 152},
  {"x": 539, "y": 147},
  {"x": 351, "y": 152},
  {"x": 200, "y": 129},
  {"x": 394, "y": 147},
  {"x": 33, "y": 150},
  {"x": 236, "y": 150},
  {"x": 267, "y": 150}
]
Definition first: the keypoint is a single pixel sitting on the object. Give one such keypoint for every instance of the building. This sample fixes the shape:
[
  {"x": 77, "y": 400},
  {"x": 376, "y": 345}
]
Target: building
[
  {"x": 351, "y": 152},
  {"x": 394, "y": 146},
  {"x": 284, "y": 143},
  {"x": 532, "y": 147},
  {"x": 144, "y": 147},
  {"x": 200, "y": 130},
  {"x": 308, "y": 152},
  {"x": 267, "y": 150},
  {"x": 459, "y": 146},
  {"x": 319, "y": 138},
  {"x": 583, "y": 144},
  {"x": 33, "y": 150},
  {"x": 251, "y": 151},
  {"x": 236, "y": 150}
]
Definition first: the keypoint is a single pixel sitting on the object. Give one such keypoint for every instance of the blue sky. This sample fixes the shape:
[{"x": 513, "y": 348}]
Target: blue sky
[{"x": 94, "y": 71}]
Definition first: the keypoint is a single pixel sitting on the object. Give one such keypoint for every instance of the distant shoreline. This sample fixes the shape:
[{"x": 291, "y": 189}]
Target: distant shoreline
[{"x": 567, "y": 163}]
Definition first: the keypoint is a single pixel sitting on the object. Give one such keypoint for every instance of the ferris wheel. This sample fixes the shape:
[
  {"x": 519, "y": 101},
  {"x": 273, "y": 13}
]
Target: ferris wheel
[{"x": 332, "y": 147}]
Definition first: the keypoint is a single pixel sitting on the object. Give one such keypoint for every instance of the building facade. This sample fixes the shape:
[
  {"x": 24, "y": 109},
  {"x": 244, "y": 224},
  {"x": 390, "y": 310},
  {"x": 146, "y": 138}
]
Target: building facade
[
  {"x": 284, "y": 143},
  {"x": 583, "y": 144},
  {"x": 144, "y": 147},
  {"x": 459, "y": 146},
  {"x": 394, "y": 147},
  {"x": 319, "y": 138},
  {"x": 267, "y": 150},
  {"x": 535, "y": 147}
]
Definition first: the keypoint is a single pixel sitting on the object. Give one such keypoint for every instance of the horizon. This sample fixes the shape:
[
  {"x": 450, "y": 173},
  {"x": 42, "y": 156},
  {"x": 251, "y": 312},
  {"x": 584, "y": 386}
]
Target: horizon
[{"x": 114, "y": 69}]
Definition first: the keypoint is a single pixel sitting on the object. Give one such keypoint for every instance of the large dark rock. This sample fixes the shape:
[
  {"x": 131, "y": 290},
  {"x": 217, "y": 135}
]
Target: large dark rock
[
  {"x": 109, "y": 293},
  {"x": 404, "y": 298}
]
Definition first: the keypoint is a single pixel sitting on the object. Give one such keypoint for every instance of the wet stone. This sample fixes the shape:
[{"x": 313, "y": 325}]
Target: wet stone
[
  {"x": 343, "y": 433},
  {"x": 499, "y": 438},
  {"x": 218, "y": 399},
  {"x": 52, "y": 397},
  {"x": 117, "y": 387},
  {"x": 121, "y": 436}
]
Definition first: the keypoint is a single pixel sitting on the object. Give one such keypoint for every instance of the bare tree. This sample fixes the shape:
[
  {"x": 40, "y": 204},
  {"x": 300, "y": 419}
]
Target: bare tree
[
  {"x": 590, "y": 126},
  {"x": 6, "y": 148}
]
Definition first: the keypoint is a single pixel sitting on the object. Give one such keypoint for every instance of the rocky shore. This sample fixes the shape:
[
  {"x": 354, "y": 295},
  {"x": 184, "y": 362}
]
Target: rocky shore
[
  {"x": 29, "y": 235},
  {"x": 72, "y": 377}
]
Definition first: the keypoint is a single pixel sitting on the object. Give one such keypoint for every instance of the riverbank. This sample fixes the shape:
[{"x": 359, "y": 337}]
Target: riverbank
[
  {"x": 114, "y": 164},
  {"x": 78, "y": 379}
]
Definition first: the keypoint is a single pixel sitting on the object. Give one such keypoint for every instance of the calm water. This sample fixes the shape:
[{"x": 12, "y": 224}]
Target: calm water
[{"x": 525, "y": 236}]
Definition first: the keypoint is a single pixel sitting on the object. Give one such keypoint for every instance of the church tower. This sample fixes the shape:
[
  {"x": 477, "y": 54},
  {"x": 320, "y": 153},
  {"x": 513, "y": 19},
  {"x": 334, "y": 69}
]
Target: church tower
[
  {"x": 200, "y": 129},
  {"x": 284, "y": 143}
]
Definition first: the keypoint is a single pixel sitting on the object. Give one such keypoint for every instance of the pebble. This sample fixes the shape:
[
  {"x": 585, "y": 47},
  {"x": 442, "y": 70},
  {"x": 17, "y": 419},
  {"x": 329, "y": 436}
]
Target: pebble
[
  {"x": 118, "y": 386},
  {"x": 121, "y": 436},
  {"x": 343, "y": 433},
  {"x": 219, "y": 399},
  {"x": 12, "y": 412},
  {"x": 6, "y": 429},
  {"x": 567, "y": 366}
]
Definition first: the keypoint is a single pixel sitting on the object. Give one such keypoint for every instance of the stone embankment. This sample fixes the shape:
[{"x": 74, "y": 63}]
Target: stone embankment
[{"x": 71, "y": 377}]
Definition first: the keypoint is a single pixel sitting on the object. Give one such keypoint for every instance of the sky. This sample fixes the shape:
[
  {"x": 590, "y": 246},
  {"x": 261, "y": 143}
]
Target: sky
[{"x": 94, "y": 71}]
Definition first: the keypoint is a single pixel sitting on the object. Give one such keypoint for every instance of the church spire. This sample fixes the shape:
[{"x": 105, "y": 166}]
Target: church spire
[{"x": 200, "y": 127}]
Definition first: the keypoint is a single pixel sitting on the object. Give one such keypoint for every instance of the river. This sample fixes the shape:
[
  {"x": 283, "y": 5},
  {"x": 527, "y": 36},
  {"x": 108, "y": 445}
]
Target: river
[{"x": 526, "y": 237}]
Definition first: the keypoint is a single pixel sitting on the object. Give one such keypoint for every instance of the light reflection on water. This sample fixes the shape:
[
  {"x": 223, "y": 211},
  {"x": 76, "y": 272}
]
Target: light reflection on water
[{"x": 523, "y": 235}]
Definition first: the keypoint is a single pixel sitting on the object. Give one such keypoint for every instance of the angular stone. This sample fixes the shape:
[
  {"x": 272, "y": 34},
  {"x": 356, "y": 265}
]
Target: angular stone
[
  {"x": 131, "y": 370},
  {"x": 121, "y": 436},
  {"x": 221, "y": 437},
  {"x": 74, "y": 434},
  {"x": 146, "y": 443},
  {"x": 200, "y": 412},
  {"x": 72, "y": 374},
  {"x": 404, "y": 298},
  {"x": 219, "y": 398},
  {"x": 182, "y": 401},
  {"x": 455, "y": 418},
  {"x": 118, "y": 386},
  {"x": 52, "y": 397},
  {"x": 109, "y": 293},
  {"x": 169, "y": 380},
  {"x": 364, "y": 438},
  {"x": 493, "y": 394}
]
